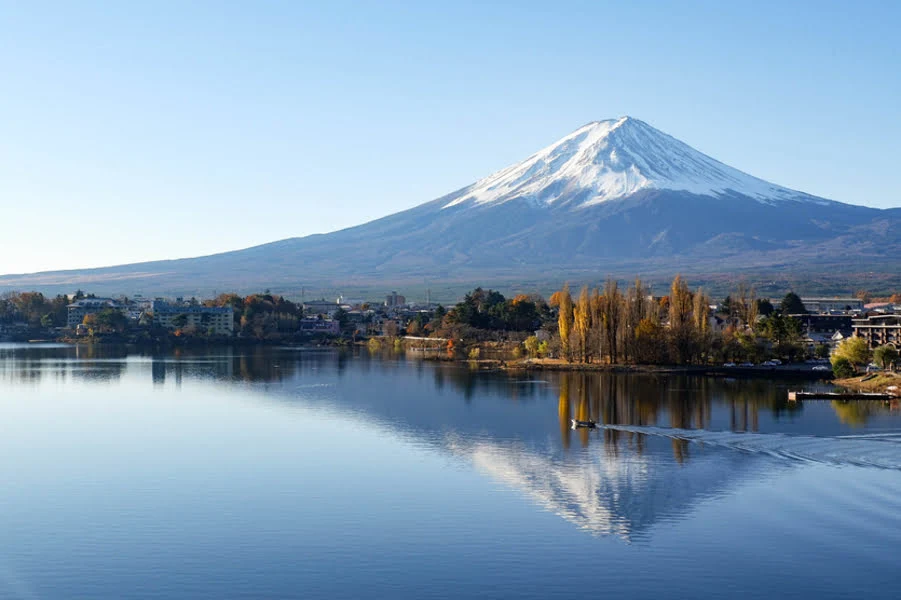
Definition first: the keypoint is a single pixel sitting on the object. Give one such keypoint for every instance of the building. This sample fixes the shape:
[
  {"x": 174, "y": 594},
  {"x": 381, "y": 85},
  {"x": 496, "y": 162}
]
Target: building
[
  {"x": 79, "y": 309},
  {"x": 217, "y": 320},
  {"x": 314, "y": 326},
  {"x": 395, "y": 300},
  {"x": 320, "y": 307},
  {"x": 137, "y": 306},
  {"x": 829, "y": 305},
  {"x": 879, "y": 330}
]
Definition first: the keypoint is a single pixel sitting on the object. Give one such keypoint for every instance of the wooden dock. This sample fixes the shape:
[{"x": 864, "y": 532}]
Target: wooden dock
[{"x": 795, "y": 396}]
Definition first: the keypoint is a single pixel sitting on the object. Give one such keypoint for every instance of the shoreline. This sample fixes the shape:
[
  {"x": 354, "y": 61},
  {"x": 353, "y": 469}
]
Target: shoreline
[
  {"x": 780, "y": 372},
  {"x": 880, "y": 383}
]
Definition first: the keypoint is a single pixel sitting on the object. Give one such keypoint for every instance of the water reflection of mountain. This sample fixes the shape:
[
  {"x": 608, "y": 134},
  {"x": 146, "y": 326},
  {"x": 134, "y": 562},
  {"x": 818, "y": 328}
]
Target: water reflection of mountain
[
  {"x": 514, "y": 428},
  {"x": 517, "y": 431},
  {"x": 608, "y": 493}
]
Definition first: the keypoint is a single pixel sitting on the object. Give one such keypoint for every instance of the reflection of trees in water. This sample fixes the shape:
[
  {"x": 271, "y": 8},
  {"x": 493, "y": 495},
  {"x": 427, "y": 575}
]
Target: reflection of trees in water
[
  {"x": 468, "y": 381},
  {"x": 856, "y": 413},
  {"x": 31, "y": 364},
  {"x": 564, "y": 412},
  {"x": 256, "y": 364},
  {"x": 102, "y": 363},
  {"x": 676, "y": 401},
  {"x": 679, "y": 401}
]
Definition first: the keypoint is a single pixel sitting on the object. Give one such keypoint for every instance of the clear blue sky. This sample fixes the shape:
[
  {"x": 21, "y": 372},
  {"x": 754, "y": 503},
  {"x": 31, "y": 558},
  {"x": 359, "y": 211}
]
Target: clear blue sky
[{"x": 135, "y": 131}]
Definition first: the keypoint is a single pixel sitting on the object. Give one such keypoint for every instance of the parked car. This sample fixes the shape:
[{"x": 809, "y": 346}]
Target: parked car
[
  {"x": 729, "y": 364},
  {"x": 746, "y": 364},
  {"x": 822, "y": 368},
  {"x": 776, "y": 362}
]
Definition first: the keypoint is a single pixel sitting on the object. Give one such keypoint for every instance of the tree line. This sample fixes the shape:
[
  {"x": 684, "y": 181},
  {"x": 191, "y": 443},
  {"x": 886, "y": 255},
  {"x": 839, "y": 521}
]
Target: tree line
[
  {"x": 34, "y": 309},
  {"x": 613, "y": 325}
]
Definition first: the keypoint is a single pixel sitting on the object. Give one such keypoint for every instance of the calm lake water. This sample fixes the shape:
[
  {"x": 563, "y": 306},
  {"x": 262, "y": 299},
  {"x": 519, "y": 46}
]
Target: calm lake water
[{"x": 284, "y": 473}]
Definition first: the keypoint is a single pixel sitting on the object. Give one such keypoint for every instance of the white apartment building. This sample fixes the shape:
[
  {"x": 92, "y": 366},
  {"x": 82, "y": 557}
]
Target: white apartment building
[{"x": 217, "y": 320}]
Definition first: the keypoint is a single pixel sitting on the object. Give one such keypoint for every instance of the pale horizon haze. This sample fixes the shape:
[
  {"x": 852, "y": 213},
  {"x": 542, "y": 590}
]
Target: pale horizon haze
[{"x": 147, "y": 131}]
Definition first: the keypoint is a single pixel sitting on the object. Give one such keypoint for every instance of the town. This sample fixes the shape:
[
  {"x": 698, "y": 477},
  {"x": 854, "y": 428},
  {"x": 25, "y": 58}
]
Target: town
[{"x": 739, "y": 331}]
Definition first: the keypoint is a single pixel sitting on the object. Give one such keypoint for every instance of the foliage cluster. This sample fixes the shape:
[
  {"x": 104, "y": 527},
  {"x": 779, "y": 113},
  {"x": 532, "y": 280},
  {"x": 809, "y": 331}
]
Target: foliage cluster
[
  {"x": 34, "y": 309},
  {"x": 609, "y": 326},
  {"x": 487, "y": 314},
  {"x": 262, "y": 316}
]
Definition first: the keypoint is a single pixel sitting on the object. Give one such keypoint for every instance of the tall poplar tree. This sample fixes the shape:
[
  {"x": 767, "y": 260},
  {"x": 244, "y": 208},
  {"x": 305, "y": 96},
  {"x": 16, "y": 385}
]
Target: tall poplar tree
[
  {"x": 613, "y": 302},
  {"x": 582, "y": 323},
  {"x": 565, "y": 321}
]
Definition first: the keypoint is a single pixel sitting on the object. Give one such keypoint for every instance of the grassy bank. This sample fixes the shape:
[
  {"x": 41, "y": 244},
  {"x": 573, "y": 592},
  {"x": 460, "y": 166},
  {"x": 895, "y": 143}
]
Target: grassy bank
[{"x": 869, "y": 383}]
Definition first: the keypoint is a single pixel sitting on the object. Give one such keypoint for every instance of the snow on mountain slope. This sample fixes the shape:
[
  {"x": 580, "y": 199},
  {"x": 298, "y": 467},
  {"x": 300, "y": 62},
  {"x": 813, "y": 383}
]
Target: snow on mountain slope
[{"x": 613, "y": 159}]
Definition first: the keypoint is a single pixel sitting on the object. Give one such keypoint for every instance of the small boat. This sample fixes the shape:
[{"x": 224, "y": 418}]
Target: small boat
[{"x": 583, "y": 424}]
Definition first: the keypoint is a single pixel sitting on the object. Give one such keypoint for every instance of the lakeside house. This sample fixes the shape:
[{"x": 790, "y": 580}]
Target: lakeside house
[
  {"x": 79, "y": 309},
  {"x": 816, "y": 305},
  {"x": 323, "y": 307},
  {"x": 316, "y": 326},
  {"x": 879, "y": 330},
  {"x": 824, "y": 329},
  {"x": 217, "y": 320}
]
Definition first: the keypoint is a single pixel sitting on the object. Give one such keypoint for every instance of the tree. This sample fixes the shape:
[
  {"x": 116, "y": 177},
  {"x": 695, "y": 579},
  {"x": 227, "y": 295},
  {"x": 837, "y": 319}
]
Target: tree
[
  {"x": 582, "y": 322},
  {"x": 649, "y": 342},
  {"x": 110, "y": 319},
  {"x": 637, "y": 310},
  {"x": 565, "y": 320},
  {"x": 414, "y": 327},
  {"x": 90, "y": 321},
  {"x": 783, "y": 331},
  {"x": 389, "y": 329},
  {"x": 854, "y": 349},
  {"x": 680, "y": 320},
  {"x": 342, "y": 318},
  {"x": 842, "y": 368},
  {"x": 179, "y": 321},
  {"x": 701, "y": 316},
  {"x": 885, "y": 356},
  {"x": 612, "y": 302},
  {"x": 532, "y": 344},
  {"x": 792, "y": 305},
  {"x": 765, "y": 307}
]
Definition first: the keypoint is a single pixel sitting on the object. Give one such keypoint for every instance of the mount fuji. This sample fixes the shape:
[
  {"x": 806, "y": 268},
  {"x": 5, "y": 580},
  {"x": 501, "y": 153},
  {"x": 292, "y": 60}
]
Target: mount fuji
[
  {"x": 615, "y": 159},
  {"x": 615, "y": 197}
]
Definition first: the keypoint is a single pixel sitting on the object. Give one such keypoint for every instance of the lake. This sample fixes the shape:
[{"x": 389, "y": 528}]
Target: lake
[{"x": 303, "y": 473}]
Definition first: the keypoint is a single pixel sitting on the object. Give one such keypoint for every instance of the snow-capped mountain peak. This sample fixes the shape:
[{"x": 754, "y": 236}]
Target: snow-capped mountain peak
[{"x": 613, "y": 159}]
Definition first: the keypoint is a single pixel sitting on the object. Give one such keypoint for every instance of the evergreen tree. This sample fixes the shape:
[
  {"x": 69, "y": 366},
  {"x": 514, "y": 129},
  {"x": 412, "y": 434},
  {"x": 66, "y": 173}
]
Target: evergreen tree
[{"x": 792, "y": 305}]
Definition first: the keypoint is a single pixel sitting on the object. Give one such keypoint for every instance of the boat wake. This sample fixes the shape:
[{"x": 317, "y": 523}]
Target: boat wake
[{"x": 882, "y": 450}]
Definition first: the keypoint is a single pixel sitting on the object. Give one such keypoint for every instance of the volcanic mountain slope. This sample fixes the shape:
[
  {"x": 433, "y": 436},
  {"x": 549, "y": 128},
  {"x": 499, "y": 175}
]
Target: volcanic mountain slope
[{"x": 613, "y": 197}]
